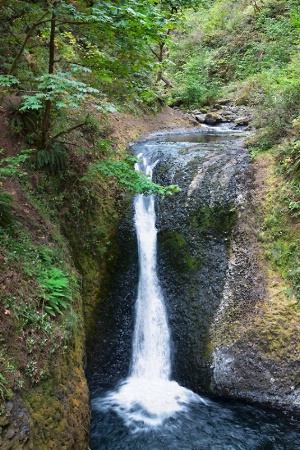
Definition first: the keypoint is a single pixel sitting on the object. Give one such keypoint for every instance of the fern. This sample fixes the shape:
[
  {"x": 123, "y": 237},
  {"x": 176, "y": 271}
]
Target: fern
[
  {"x": 3, "y": 387},
  {"x": 53, "y": 160},
  {"x": 55, "y": 290},
  {"x": 21, "y": 122}
]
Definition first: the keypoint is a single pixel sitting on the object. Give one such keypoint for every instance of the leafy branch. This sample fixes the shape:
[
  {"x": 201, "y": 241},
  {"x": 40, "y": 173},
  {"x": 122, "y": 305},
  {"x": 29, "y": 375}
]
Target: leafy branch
[
  {"x": 135, "y": 181},
  {"x": 22, "y": 48}
]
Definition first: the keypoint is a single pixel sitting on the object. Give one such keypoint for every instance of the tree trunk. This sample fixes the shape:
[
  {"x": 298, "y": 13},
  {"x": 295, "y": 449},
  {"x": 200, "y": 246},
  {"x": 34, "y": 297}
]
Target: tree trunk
[
  {"x": 160, "y": 59},
  {"x": 45, "y": 126},
  {"x": 28, "y": 35},
  {"x": 166, "y": 81}
]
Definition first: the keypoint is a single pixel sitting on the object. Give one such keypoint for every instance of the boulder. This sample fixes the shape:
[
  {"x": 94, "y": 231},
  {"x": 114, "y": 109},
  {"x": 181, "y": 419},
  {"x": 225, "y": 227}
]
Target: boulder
[
  {"x": 212, "y": 118},
  {"x": 225, "y": 101},
  {"x": 228, "y": 118},
  {"x": 242, "y": 121},
  {"x": 199, "y": 117}
]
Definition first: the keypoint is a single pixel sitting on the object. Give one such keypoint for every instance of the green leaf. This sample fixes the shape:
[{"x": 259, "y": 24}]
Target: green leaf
[
  {"x": 60, "y": 104},
  {"x": 31, "y": 102},
  {"x": 134, "y": 181},
  {"x": 8, "y": 80}
]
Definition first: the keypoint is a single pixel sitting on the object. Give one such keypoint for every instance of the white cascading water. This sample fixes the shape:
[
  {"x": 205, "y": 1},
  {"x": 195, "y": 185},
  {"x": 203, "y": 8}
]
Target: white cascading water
[
  {"x": 151, "y": 348},
  {"x": 148, "y": 396}
]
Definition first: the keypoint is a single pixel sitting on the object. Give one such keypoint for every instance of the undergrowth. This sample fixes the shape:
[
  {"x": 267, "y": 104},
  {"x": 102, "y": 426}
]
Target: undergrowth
[
  {"x": 37, "y": 316},
  {"x": 281, "y": 229},
  {"x": 5, "y": 207}
]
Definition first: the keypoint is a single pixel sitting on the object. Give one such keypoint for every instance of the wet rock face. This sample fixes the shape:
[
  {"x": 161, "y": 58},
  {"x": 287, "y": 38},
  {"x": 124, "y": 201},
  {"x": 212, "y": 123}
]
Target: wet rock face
[
  {"x": 243, "y": 373},
  {"x": 222, "y": 317},
  {"x": 109, "y": 355},
  {"x": 194, "y": 230},
  {"x": 254, "y": 335}
]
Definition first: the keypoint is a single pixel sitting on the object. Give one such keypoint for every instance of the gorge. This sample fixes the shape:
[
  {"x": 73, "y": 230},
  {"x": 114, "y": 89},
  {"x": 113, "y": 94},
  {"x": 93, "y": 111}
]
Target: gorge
[
  {"x": 83, "y": 84},
  {"x": 197, "y": 238}
]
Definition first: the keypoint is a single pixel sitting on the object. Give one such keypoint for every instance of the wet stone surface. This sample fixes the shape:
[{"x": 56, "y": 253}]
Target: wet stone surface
[{"x": 194, "y": 231}]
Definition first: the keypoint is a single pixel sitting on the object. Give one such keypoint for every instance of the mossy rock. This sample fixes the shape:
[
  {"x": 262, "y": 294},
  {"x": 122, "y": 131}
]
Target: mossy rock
[
  {"x": 177, "y": 251},
  {"x": 212, "y": 118},
  {"x": 217, "y": 220}
]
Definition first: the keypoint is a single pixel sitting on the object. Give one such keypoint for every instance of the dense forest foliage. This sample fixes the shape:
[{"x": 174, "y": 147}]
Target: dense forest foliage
[
  {"x": 65, "y": 66},
  {"x": 83, "y": 56},
  {"x": 247, "y": 51},
  {"x": 60, "y": 56}
]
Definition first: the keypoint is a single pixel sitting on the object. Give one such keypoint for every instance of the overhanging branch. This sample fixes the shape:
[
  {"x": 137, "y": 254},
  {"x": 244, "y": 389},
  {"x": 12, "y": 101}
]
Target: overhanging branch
[{"x": 67, "y": 131}]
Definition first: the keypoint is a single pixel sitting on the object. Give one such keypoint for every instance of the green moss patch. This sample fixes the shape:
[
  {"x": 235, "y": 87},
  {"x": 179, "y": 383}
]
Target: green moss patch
[
  {"x": 217, "y": 220},
  {"x": 177, "y": 251}
]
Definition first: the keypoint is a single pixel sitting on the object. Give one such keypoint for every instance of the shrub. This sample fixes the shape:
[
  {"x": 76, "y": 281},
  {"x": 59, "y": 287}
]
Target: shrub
[
  {"x": 197, "y": 83},
  {"x": 280, "y": 101},
  {"x": 22, "y": 122},
  {"x": 289, "y": 158}
]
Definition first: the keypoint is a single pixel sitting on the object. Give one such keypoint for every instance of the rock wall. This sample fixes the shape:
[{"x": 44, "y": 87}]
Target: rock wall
[
  {"x": 234, "y": 330},
  {"x": 53, "y": 413},
  {"x": 234, "y": 325},
  {"x": 255, "y": 331},
  {"x": 47, "y": 403},
  {"x": 193, "y": 244}
]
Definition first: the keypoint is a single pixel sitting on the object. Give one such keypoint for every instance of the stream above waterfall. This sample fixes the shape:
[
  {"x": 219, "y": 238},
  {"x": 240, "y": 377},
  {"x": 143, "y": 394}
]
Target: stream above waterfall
[{"x": 138, "y": 403}]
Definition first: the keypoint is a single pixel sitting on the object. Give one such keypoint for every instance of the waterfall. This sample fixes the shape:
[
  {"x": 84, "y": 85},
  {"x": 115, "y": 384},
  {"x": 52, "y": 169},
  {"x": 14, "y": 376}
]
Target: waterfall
[
  {"x": 151, "y": 347},
  {"x": 148, "y": 396}
]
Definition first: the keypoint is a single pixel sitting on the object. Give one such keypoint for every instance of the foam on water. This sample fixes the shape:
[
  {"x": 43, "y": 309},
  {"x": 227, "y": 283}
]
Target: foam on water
[{"x": 141, "y": 402}]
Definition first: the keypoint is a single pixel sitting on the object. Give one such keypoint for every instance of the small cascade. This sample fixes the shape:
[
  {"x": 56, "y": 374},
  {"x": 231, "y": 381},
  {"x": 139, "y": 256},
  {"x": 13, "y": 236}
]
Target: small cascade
[{"x": 148, "y": 396}]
